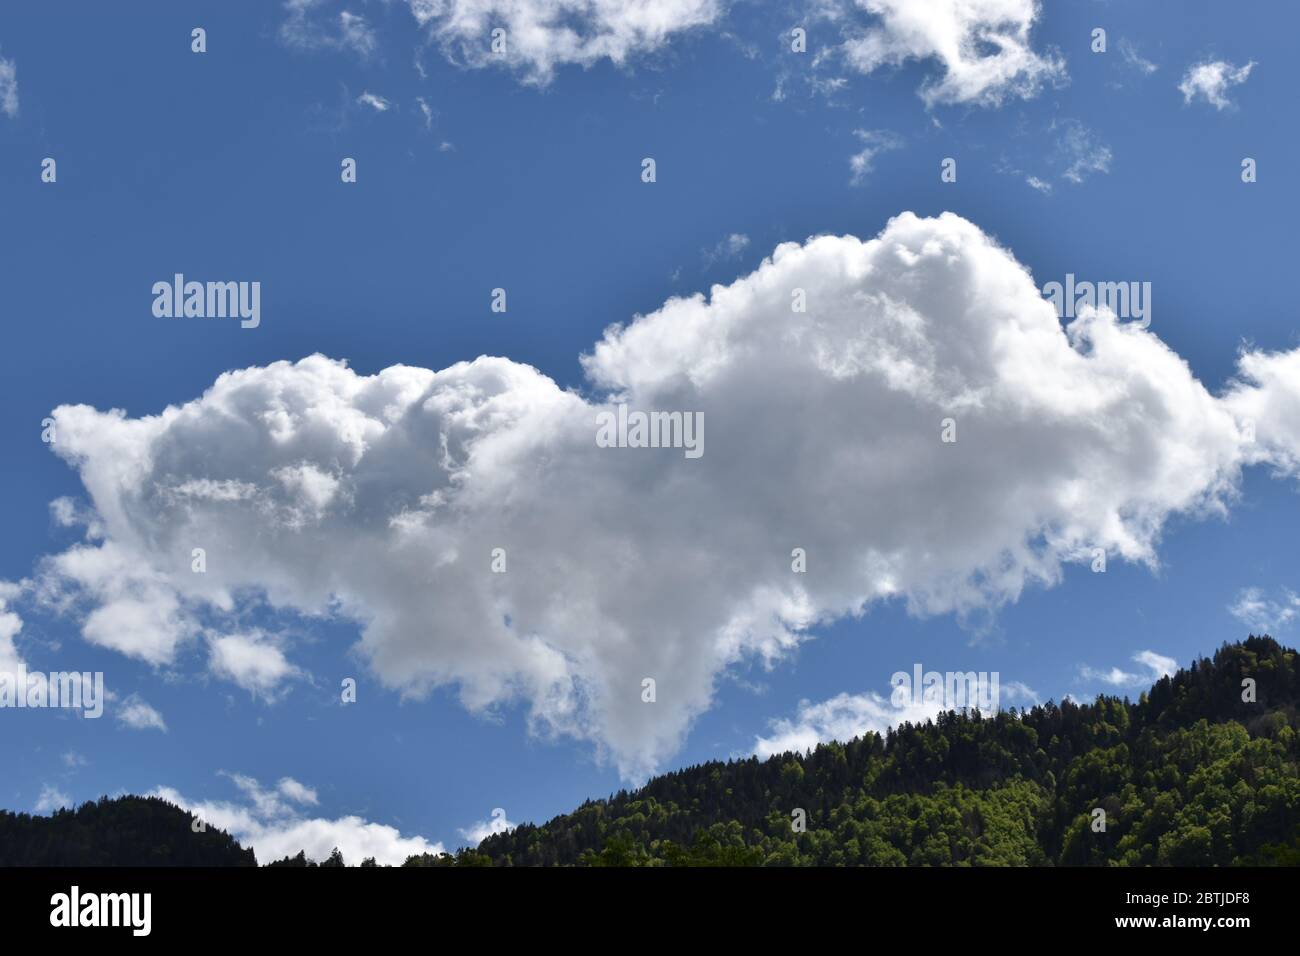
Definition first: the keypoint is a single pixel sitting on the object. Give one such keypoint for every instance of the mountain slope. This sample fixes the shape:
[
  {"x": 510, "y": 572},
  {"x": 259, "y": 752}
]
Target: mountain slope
[
  {"x": 1190, "y": 774},
  {"x": 126, "y": 831}
]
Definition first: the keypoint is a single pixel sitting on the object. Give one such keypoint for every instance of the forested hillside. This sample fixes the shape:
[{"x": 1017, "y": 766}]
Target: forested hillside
[
  {"x": 127, "y": 831},
  {"x": 1189, "y": 774}
]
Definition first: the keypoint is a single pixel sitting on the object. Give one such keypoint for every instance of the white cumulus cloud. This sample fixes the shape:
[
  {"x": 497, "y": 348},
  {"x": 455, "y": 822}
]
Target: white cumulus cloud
[
  {"x": 823, "y": 433},
  {"x": 251, "y": 660}
]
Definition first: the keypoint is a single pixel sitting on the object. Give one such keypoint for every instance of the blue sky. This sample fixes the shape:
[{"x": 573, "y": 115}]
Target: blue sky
[{"x": 526, "y": 175}]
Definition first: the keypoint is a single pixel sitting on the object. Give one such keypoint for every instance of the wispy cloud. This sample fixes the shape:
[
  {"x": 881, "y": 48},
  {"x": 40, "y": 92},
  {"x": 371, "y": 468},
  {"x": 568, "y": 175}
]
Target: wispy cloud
[
  {"x": 303, "y": 29},
  {"x": 8, "y": 88},
  {"x": 842, "y": 717},
  {"x": 729, "y": 248},
  {"x": 1080, "y": 152},
  {"x": 1135, "y": 59},
  {"x": 138, "y": 715},
  {"x": 374, "y": 101},
  {"x": 1157, "y": 666},
  {"x": 874, "y": 142},
  {"x": 1262, "y": 614},
  {"x": 426, "y": 111}
]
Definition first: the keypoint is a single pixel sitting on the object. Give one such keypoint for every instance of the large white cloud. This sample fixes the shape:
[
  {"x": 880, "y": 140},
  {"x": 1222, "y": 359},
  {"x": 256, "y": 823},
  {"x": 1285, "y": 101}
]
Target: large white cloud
[
  {"x": 380, "y": 498},
  {"x": 982, "y": 46},
  {"x": 541, "y": 35}
]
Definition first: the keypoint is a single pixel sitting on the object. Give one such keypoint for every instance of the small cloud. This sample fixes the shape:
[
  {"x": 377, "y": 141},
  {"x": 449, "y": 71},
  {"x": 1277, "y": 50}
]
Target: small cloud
[
  {"x": 842, "y": 717},
  {"x": 355, "y": 34},
  {"x": 52, "y": 799},
  {"x": 72, "y": 760},
  {"x": 446, "y": 147},
  {"x": 250, "y": 660},
  {"x": 1211, "y": 81},
  {"x": 1264, "y": 615},
  {"x": 1080, "y": 152},
  {"x": 1039, "y": 184},
  {"x": 379, "y": 104},
  {"x": 729, "y": 248},
  {"x": 138, "y": 715},
  {"x": 476, "y": 833},
  {"x": 1157, "y": 666},
  {"x": 828, "y": 86},
  {"x": 1018, "y": 692},
  {"x": 426, "y": 111},
  {"x": 874, "y": 142}
]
